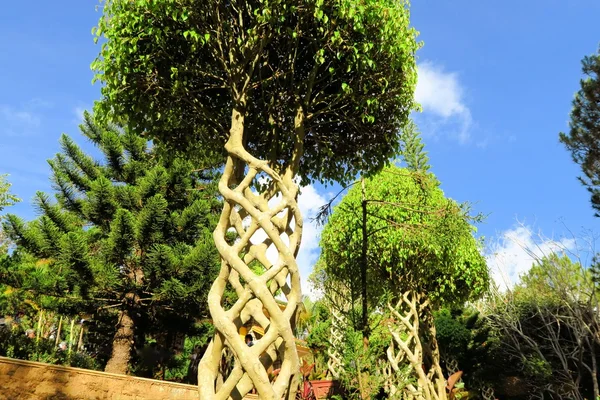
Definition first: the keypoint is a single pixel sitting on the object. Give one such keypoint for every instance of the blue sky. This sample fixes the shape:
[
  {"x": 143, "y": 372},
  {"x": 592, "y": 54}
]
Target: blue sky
[{"x": 496, "y": 83}]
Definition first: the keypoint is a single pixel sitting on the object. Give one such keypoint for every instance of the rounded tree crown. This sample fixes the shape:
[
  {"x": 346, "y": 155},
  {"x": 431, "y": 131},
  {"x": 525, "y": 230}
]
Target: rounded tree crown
[
  {"x": 417, "y": 238},
  {"x": 344, "y": 70}
]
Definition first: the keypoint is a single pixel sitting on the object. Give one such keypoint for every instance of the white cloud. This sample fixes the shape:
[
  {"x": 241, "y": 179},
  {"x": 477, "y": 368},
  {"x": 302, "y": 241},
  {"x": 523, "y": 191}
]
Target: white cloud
[
  {"x": 18, "y": 121},
  {"x": 441, "y": 96},
  {"x": 514, "y": 253},
  {"x": 78, "y": 114},
  {"x": 310, "y": 201}
]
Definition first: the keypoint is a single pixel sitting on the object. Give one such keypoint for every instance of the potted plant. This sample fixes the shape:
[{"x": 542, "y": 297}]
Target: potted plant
[
  {"x": 315, "y": 385},
  {"x": 322, "y": 387},
  {"x": 306, "y": 391}
]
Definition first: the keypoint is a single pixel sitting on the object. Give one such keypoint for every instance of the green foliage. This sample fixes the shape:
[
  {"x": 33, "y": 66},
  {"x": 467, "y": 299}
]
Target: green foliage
[
  {"x": 133, "y": 225},
  {"x": 359, "y": 378},
  {"x": 583, "y": 139},
  {"x": 15, "y": 343},
  {"x": 314, "y": 326},
  {"x": 541, "y": 335},
  {"x": 464, "y": 336},
  {"x": 177, "y": 368},
  {"x": 318, "y": 329},
  {"x": 413, "y": 149},
  {"x": 177, "y": 69},
  {"x": 453, "y": 336},
  {"x": 555, "y": 278},
  {"x": 536, "y": 368},
  {"x": 160, "y": 358},
  {"x": 6, "y": 198},
  {"x": 418, "y": 239}
]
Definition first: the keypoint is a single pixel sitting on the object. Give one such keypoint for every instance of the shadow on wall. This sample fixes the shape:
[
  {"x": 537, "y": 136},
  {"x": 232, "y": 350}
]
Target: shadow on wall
[{"x": 36, "y": 381}]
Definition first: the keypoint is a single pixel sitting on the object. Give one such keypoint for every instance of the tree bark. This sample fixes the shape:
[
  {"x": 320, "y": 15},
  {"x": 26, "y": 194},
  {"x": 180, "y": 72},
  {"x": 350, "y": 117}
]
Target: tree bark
[
  {"x": 406, "y": 329},
  {"x": 594, "y": 369},
  {"x": 72, "y": 327},
  {"x": 248, "y": 212},
  {"x": 122, "y": 342},
  {"x": 80, "y": 341},
  {"x": 39, "y": 327},
  {"x": 335, "y": 349},
  {"x": 57, "y": 340}
]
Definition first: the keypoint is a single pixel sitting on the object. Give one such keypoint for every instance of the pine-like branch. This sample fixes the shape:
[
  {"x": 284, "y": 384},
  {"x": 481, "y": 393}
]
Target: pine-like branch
[
  {"x": 412, "y": 149},
  {"x": 61, "y": 219},
  {"x": 84, "y": 163}
]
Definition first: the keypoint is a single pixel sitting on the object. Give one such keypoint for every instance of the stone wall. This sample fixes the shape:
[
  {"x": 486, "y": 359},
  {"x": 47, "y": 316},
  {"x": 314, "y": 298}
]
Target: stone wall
[
  {"x": 27, "y": 380},
  {"x": 37, "y": 381}
]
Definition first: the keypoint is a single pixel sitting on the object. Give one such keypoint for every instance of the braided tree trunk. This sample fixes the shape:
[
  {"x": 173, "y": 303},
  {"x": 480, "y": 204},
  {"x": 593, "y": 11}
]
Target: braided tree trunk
[
  {"x": 247, "y": 212},
  {"x": 335, "y": 365},
  {"x": 408, "y": 355},
  {"x": 487, "y": 393}
]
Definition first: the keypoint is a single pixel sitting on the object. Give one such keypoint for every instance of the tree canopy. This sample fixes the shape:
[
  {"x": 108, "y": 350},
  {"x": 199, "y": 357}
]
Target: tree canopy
[
  {"x": 583, "y": 139},
  {"x": 344, "y": 70},
  {"x": 418, "y": 239},
  {"x": 131, "y": 232}
]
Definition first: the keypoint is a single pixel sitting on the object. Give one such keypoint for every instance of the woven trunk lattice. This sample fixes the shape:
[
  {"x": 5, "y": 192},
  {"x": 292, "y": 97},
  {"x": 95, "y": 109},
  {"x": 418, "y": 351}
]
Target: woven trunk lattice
[
  {"x": 335, "y": 364},
  {"x": 246, "y": 212},
  {"x": 407, "y": 353}
]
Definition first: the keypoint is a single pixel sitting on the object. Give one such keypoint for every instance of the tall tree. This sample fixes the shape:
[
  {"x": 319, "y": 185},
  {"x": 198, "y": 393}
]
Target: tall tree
[
  {"x": 274, "y": 88},
  {"x": 130, "y": 233},
  {"x": 420, "y": 252},
  {"x": 583, "y": 139}
]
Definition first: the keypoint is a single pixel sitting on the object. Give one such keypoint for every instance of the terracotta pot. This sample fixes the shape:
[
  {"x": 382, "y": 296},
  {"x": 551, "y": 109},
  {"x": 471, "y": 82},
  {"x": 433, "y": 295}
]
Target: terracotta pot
[{"x": 323, "y": 389}]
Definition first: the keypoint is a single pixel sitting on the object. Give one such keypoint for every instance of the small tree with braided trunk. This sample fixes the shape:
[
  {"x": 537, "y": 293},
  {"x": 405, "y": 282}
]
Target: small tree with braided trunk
[
  {"x": 417, "y": 246},
  {"x": 281, "y": 92}
]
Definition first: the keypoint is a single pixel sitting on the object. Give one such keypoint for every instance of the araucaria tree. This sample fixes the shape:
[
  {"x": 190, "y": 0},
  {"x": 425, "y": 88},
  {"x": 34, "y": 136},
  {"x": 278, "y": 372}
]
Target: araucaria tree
[
  {"x": 129, "y": 234},
  {"x": 419, "y": 250},
  {"x": 583, "y": 139},
  {"x": 286, "y": 92}
]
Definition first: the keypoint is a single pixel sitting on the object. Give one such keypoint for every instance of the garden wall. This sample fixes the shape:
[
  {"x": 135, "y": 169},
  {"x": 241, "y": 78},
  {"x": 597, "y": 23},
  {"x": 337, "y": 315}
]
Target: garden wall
[{"x": 37, "y": 381}]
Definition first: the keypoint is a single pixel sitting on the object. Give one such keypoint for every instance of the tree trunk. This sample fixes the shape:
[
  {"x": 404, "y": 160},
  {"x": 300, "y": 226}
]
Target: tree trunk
[
  {"x": 248, "y": 212},
  {"x": 409, "y": 314},
  {"x": 80, "y": 341},
  {"x": 364, "y": 266},
  {"x": 57, "y": 341},
  {"x": 435, "y": 375},
  {"x": 122, "y": 342},
  {"x": 71, "y": 336},
  {"x": 594, "y": 369},
  {"x": 364, "y": 394},
  {"x": 335, "y": 349},
  {"x": 39, "y": 327}
]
